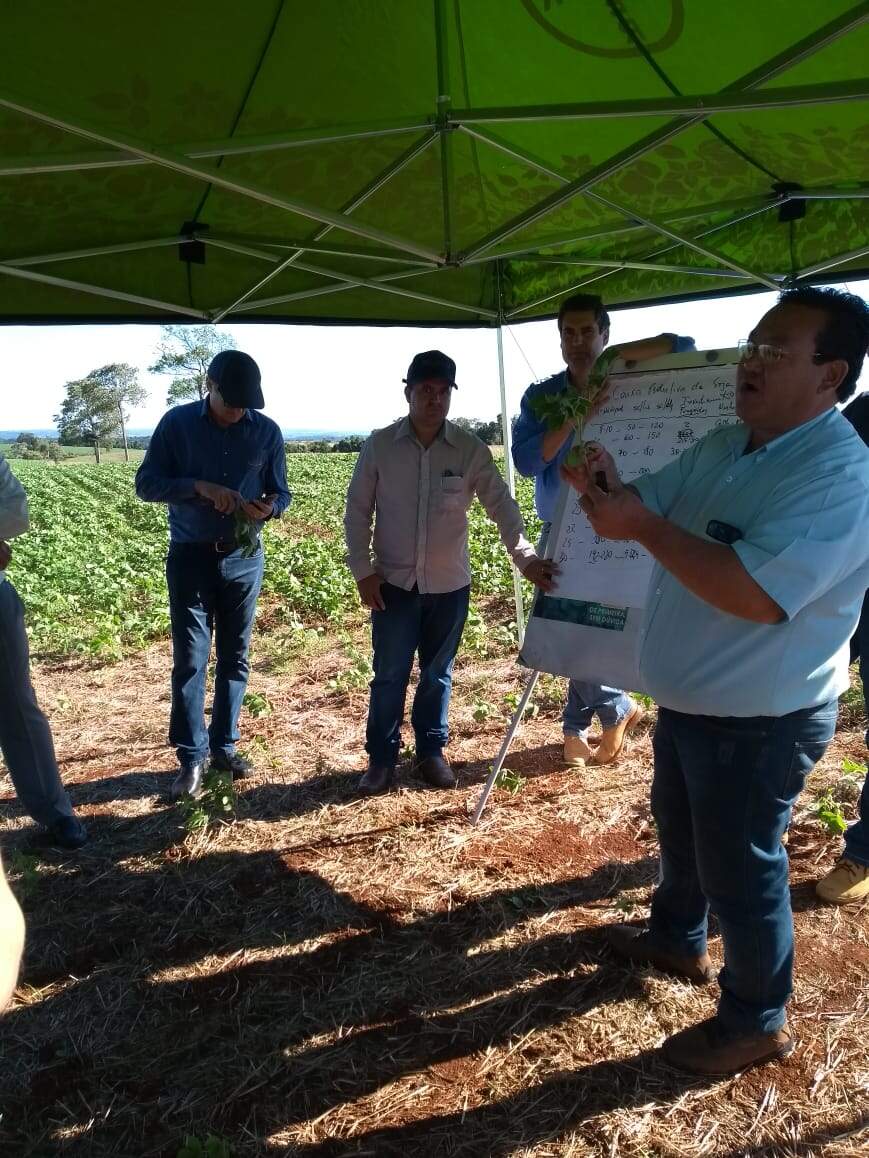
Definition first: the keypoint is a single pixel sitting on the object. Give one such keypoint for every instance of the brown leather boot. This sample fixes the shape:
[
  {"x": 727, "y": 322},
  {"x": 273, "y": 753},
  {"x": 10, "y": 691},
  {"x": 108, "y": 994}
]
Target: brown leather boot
[
  {"x": 641, "y": 947},
  {"x": 612, "y": 740},
  {"x": 708, "y": 1048}
]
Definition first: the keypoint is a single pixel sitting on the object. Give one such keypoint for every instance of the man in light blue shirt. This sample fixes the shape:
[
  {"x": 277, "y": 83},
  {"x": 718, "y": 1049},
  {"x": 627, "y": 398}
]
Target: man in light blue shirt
[
  {"x": 762, "y": 560},
  {"x": 538, "y": 452}
]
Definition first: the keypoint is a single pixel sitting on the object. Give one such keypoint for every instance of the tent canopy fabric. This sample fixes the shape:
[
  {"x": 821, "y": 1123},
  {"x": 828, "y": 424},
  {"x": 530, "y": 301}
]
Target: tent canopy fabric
[{"x": 450, "y": 162}]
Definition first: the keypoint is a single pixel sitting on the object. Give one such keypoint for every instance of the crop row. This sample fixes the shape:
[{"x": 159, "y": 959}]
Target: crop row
[{"x": 91, "y": 568}]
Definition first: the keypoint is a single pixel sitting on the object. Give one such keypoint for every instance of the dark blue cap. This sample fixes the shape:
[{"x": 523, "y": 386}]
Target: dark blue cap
[
  {"x": 431, "y": 364},
  {"x": 237, "y": 377}
]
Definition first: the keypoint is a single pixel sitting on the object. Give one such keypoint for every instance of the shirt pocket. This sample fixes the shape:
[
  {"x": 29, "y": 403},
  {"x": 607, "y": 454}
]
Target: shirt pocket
[{"x": 452, "y": 493}]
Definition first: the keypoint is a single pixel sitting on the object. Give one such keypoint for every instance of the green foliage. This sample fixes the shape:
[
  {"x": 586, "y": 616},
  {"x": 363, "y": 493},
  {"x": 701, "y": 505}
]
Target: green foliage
[
  {"x": 246, "y": 533},
  {"x": 217, "y": 802},
  {"x": 91, "y": 570},
  {"x": 212, "y": 1147},
  {"x": 510, "y": 781},
  {"x": 357, "y": 676},
  {"x": 23, "y": 869},
  {"x": 257, "y": 704},
  {"x": 511, "y": 702},
  {"x": 185, "y": 352},
  {"x": 481, "y": 710},
  {"x": 828, "y": 812},
  {"x": 853, "y": 768}
]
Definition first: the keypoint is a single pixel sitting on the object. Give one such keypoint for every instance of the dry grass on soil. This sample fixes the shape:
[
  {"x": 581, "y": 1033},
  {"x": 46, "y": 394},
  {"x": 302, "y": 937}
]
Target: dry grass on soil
[{"x": 329, "y": 976}]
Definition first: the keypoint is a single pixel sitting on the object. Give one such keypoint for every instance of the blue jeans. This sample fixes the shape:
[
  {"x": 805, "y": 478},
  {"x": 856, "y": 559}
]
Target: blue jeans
[
  {"x": 25, "y": 736},
  {"x": 722, "y": 795},
  {"x": 584, "y": 699},
  {"x": 857, "y": 836},
  {"x": 432, "y": 626},
  {"x": 209, "y": 593}
]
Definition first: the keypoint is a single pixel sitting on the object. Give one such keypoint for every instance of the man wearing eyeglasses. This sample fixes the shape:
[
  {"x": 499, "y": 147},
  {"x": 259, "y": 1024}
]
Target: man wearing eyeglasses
[
  {"x": 212, "y": 461},
  {"x": 416, "y": 479},
  {"x": 762, "y": 560}
]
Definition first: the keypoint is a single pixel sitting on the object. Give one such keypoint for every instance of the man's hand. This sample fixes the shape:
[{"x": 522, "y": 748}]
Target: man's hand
[
  {"x": 369, "y": 592},
  {"x": 616, "y": 512},
  {"x": 5, "y": 554},
  {"x": 259, "y": 509},
  {"x": 541, "y": 572},
  {"x": 224, "y": 500}
]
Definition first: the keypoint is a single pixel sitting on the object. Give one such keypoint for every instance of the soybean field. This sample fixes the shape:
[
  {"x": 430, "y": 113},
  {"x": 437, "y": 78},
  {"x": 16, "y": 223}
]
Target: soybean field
[{"x": 91, "y": 568}]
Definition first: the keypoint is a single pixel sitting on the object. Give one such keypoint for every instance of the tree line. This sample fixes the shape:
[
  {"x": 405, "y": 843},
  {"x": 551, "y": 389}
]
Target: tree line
[{"x": 95, "y": 409}]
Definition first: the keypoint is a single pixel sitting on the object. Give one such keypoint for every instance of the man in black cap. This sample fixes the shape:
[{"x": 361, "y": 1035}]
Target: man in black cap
[
  {"x": 419, "y": 476},
  {"x": 214, "y": 462}
]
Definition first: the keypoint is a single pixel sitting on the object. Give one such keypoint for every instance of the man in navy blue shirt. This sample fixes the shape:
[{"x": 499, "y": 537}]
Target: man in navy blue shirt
[
  {"x": 211, "y": 461},
  {"x": 583, "y": 328}
]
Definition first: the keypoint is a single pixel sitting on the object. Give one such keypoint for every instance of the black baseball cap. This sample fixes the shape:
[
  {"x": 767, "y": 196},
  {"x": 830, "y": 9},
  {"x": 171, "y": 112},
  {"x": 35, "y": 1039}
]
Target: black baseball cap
[
  {"x": 431, "y": 364},
  {"x": 237, "y": 377}
]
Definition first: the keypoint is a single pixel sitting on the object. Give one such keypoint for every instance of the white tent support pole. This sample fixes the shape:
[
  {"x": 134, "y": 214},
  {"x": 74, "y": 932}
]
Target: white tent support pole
[
  {"x": 507, "y": 438},
  {"x": 231, "y": 147},
  {"x": 275, "y": 249},
  {"x": 505, "y": 746},
  {"x": 791, "y": 56},
  {"x": 319, "y": 291},
  {"x": 350, "y": 282},
  {"x": 832, "y": 262},
  {"x": 102, "y": 292},
  {"x": 681, "y": 239},
  {"x": 94, "y": 251},
  {"x": 595, "y": 262},
  {"x": 216, "y": 177},
  {"x": 707, "y": 104},
  {"x": 369, "y": 190}
]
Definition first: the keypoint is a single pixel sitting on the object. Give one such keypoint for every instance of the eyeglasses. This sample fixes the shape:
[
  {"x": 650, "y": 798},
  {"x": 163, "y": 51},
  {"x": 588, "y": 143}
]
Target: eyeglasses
[{"x": 766, "y": 353}]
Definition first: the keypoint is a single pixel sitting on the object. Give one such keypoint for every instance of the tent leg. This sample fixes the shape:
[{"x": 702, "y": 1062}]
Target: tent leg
[
  {"x": 505, "y": 747},
  {"x": 511, "y": 483}
]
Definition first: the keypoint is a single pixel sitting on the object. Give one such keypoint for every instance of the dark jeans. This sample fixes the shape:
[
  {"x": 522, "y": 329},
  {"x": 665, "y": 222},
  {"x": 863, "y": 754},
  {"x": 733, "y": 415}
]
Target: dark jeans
[
  {"x": 209, "y": 593},
  {"x": 25, "y": 736},
  {"x": 722, "y": 795},
  {"x": 857, "y": 836},
  {"x": 431, "y": 625}
]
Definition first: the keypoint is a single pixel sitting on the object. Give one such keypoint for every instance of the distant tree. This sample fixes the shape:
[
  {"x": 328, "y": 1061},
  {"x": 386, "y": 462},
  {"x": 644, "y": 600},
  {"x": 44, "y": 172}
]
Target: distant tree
[
  {"x": 121, "y": 383},
  {"x": 350, "y": 443},
  {"x": 88, "y": 415},
  {"x": 28, "y": 439},
  {"x": 488, "y": 432},
  {"x": 185, "y": 352},
  {"x": 321, "y": 446}
]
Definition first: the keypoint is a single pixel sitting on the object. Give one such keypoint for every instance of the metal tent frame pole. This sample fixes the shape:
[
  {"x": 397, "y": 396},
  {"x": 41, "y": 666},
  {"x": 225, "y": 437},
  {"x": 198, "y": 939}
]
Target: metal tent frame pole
[{"x": 505, "y": 745}]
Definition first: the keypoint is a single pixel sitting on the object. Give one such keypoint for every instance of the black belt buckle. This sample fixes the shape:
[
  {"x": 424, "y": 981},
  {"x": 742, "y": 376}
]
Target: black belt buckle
[{"x": 224, "y": 546}]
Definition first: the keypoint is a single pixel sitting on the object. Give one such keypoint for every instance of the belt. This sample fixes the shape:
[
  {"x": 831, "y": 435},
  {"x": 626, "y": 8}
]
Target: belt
[{"x": 218, "y": 546}]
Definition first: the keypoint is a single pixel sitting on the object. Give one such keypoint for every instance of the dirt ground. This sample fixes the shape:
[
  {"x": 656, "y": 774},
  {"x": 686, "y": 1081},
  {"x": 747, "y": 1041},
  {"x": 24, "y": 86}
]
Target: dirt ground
[{"x": 324, "y": 975}]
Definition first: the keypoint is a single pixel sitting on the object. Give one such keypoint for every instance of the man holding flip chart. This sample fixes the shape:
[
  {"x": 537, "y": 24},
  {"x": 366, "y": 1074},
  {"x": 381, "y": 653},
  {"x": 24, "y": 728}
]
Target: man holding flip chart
[
  {"x": 762, "y": 560},
  {"x": 538, "y": 452}
]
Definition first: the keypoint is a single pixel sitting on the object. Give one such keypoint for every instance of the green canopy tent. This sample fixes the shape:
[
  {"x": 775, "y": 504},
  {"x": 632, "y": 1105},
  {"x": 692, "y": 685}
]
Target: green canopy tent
[{"x": 449, "y": 162}]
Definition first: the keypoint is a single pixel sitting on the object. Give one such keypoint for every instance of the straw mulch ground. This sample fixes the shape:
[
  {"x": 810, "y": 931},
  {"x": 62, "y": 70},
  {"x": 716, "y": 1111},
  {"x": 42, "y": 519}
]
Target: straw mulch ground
[{"x": 330, "y": 976}]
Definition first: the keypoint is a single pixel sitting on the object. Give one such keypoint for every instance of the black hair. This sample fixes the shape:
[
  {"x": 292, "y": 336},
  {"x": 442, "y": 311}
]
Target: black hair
[
  {"x": 845, "y": 334},
  {"x": 589, "y": 302}
]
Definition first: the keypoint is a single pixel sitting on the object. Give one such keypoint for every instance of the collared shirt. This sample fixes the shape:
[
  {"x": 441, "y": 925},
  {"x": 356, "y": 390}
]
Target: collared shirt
[
  {"x": 189, "y": 446},
  {"x": 800, "y": 506},
  {"x": 419, "y": 499},
  {"x": 14, "y": 514},
  {"x": 529, "y": 431}
]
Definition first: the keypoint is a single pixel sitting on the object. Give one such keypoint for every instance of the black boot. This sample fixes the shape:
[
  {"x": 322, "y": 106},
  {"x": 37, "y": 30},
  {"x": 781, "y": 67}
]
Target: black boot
[
  {"x": 235, "y": 764},
  {"x": 188, "y": 782},
  {"x": 378, "y": 778}
]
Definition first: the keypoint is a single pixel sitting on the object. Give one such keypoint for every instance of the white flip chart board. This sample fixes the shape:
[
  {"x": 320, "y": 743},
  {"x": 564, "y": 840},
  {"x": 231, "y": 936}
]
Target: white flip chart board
[{"x": 589, "y": 626}]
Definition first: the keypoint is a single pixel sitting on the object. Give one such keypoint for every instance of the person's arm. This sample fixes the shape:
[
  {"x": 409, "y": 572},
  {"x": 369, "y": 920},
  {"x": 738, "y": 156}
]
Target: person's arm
[
  {"x": 11, "y": 939},
  {"x": 358, "y": 522},
  {"x": 157, "y": 480},
  {"x": 504, "y": 512},
  {"x": 14, "y": 514},
  {"x": 659, "y": 346}
]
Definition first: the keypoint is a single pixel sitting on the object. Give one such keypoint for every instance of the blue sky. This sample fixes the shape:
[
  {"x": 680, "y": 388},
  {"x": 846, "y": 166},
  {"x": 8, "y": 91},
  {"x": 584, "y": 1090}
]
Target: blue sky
[{"x": 343, "y": 378}]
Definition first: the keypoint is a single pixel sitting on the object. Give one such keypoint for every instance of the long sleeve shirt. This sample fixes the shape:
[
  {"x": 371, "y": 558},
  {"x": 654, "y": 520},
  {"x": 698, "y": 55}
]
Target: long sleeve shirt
[
  {"x": 800, "y": 505},
  {"x": 528, "y": 438},
  {"x": 14, "y": 514},
  {"x": 418, "y": 498},
  {"x": 188, "y": 446}
]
